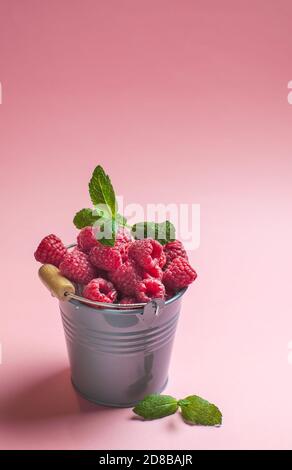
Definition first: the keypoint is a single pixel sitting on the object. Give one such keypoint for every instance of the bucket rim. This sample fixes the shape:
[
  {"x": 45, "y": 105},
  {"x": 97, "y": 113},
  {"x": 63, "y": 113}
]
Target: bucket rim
[{"x": 120, "y": 308}]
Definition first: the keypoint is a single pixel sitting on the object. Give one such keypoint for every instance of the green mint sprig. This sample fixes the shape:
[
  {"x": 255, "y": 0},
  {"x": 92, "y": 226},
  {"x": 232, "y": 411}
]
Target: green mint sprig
[
  {"x": 104, "y": 214},
  {"x": 105, "y": 209},
  {"x": 194, "y": 409}
]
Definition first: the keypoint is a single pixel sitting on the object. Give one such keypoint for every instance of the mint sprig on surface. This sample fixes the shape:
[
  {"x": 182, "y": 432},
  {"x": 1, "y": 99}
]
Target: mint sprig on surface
[
  {"x": 156, "y": 406},
  {"x": 194, "y": 409},
  {"x": 164, "y": 232}
]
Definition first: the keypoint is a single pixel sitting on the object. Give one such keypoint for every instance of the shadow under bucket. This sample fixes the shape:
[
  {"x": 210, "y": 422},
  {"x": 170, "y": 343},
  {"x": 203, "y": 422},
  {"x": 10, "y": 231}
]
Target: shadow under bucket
[{"x": 119, "y": 356}]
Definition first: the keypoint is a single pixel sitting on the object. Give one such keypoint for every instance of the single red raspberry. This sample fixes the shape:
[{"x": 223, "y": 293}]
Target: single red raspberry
[
  {"x": 173, "y": 250},
  {"x": 86, "y": 239},
  {"x": 149, "y": 289},
  {"x": 125, "y": 278},
  {"x": 50, "y": 250},
  {"x": 100, "y": 290},
  {"x": 179, "y": 274},
  {"x": 128, "y": 300},
  {"x": 146, "y": 253},
  {"x": 105, "y": 257},
  {"x": 77, "y": 267}
]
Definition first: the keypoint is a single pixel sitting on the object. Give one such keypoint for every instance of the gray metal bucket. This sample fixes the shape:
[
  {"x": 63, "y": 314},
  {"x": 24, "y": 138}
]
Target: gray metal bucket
[{"x": 119, "y": 356}]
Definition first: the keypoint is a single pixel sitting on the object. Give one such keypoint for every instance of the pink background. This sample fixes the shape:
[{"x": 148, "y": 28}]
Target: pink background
[{"x": 181, "y": 101}]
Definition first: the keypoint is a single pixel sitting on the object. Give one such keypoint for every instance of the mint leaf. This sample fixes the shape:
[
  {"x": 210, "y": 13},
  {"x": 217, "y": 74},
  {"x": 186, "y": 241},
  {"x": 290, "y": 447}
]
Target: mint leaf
[
  {"x": 84, "y": 218},
  {"x": 144, "y": 230},
  {"x": 196, "y": 410},
  {"x": 166, "y": 232},
  {"x": 101, "y": 190},
  {"x": 156, "y": 406},
  {"x": 163, "y": 232}
]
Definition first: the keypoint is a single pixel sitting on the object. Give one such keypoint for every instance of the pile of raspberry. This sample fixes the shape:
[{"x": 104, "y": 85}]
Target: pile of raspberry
[{"x": 133, "y": 271}]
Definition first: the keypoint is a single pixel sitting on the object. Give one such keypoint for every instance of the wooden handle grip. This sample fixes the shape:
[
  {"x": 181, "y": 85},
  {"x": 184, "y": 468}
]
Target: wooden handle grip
[{"x": 57, "y": 284}]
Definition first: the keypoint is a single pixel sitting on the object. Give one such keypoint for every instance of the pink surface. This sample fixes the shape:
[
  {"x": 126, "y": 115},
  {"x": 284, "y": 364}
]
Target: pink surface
[{"x": 180, "y": 102}]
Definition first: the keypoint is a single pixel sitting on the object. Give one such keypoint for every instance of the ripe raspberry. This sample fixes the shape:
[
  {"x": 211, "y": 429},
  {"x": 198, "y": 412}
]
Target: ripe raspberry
[
  {"x": 86, "y": 239},
  {"x": 77, "y": 267},
  {"x": 105, "y": 257},
  {"x": 50, "y": 250},
  {"x": 173, "y": 250},
  {"x": 128, "y": 300},
  {"x": 179, "y": 274},
  {"x": 100, "y": 290},
  {"x": 149, "y": 289},
  {"x": 146, "y": 253},
  {"x": 125, "y": 278}
]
